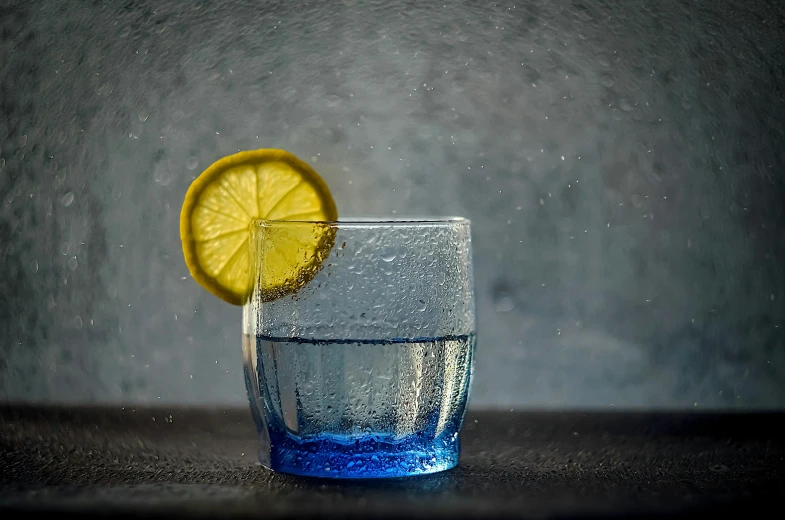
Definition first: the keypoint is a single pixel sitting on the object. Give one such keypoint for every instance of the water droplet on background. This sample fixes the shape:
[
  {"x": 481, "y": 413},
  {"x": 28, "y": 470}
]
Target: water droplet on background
[
  {"x": 162, "y": 174},
  {"x": 68, "y": 199},
  {"x": 333, "y": 101},
  {"x": 504, "y": 304}
]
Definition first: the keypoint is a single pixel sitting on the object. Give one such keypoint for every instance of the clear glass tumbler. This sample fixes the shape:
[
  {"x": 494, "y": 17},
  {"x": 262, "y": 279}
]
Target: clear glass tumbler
[{"x": 365, "y": 371}]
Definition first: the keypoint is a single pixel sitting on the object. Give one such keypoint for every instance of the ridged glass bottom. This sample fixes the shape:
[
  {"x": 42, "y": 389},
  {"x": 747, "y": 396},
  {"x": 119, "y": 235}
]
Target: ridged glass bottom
[
  {"x": 369, "y": 456},
  {"x": 358, "y": 408}
]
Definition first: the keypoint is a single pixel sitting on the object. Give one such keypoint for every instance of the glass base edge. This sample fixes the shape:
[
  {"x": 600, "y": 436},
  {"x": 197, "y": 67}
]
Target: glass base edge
[{"x": 341, "y": 463}]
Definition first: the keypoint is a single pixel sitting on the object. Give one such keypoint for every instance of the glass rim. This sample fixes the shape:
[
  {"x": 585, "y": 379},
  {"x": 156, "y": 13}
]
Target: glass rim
[{"x": 369, "y": 222}]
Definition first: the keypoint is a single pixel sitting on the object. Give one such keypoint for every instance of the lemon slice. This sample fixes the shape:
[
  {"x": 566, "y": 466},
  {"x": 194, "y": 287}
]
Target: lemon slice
[{"x": 227, "y": 197}]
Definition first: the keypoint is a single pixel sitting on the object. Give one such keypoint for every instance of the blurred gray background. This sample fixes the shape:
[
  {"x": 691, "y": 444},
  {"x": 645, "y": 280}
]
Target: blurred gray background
[{"x": 621, "y": 161}]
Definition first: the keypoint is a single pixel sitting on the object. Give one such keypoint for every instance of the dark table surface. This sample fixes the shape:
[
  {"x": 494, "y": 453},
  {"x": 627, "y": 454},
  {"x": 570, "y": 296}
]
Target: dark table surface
[{"x": 197, "y": 462}]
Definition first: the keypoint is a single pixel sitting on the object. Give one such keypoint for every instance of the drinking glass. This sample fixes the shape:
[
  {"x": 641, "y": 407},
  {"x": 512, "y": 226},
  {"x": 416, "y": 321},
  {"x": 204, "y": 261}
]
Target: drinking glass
[{"x": 365, "y": 370}]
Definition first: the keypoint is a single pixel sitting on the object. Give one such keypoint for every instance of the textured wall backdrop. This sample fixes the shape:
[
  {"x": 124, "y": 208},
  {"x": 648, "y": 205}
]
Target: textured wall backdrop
[{"x": 621, "y": 161}]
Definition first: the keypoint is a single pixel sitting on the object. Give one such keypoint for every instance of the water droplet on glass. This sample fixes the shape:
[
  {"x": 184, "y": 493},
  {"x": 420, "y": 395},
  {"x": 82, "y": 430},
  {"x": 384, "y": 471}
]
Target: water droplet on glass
[
  {"x": 388, "y": 257},
  {"x": 143, "y": 115},
  {"x": 192, "y": 163},
  {"x": 2, "y": 163},
  {"x": 125, "y": 31},
  {"x": 78, "y": 322},
  {"x": 68, "y": 199},
  {"x": 23, "y": 140},
  {"x": 73, "y": 263},
  {"x": 112, "y": 292},
  {"x": 34, "y": 266}
]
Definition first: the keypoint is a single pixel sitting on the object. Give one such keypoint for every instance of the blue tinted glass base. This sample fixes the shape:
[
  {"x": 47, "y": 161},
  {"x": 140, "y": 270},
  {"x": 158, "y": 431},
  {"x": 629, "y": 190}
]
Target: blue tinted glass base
[{"x": 368, "y": 456}]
